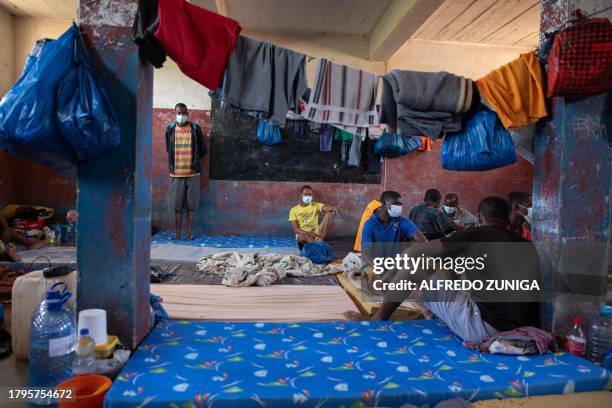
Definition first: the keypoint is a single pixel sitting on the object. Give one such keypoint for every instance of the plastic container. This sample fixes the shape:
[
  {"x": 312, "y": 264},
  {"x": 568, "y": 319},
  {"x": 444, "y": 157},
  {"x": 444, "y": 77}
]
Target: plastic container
[
  {"x": 576, "y": 340},
  {"x": 85, "y": 361},
  {"x": 106, "y": 350},
  {"x": 600, "y": 336},
  {"x": 52, "y": 338},
  {"x": 89, "y": 389},
  {"x": 95, "y": 321}
]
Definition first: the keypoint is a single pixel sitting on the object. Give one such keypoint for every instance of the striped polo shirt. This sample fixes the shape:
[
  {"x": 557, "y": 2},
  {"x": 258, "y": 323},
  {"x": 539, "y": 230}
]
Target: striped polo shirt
[{"x": 183, "y": 152}]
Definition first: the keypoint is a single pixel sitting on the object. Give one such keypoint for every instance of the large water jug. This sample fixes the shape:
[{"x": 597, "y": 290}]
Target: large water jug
[
  {"x": 600, "y": 336},
  {"x": 52, "y": 339}
]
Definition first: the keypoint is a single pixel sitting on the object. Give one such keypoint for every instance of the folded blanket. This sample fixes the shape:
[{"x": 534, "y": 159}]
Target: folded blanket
[
  {"x": 261, "y": 77},
  {"x": 343, "y": 96},
  {"x": 424, "y": 103},
  {"x": 239, "y": 269},
  {"x": 524, "y": 340}
]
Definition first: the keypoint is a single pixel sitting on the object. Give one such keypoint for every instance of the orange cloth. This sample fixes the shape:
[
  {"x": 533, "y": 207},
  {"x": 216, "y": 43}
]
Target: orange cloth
[
  {"x": 516, "y": 91},
  {"x": 364, "y": 217},
  {"x": 426, "y": 146}
]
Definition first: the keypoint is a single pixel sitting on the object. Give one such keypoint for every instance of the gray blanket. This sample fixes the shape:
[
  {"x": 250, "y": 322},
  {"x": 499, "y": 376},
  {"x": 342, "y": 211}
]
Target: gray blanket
[
  {"x": 261, "y": 77},
  {"x": 424, "y": 103}
]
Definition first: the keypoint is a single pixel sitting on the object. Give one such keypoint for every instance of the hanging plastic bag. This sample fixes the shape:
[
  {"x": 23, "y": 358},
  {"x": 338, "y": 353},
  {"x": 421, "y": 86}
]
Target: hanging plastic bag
[
  {"x": 318, "y": 252},
  {"x": 268, "y": 133},
  {"x": 84, "y": 115},
  {"x": 394, "y": 145},
  {"x": 27, "y": 111},
  {"x": 484, "y": 144}
]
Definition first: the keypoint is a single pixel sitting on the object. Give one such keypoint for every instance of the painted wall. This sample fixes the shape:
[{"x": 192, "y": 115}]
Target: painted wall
[{"x": 7, "y": 188}]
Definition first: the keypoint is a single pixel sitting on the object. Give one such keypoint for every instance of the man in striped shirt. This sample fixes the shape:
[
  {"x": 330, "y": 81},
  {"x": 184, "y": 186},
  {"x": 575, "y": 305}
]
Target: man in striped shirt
[{"x": 185, "y": 146}]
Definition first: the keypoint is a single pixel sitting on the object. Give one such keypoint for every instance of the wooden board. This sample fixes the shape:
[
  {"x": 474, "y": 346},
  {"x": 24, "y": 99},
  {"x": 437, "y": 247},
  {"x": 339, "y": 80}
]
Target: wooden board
[
  {"x": 367, "y": 307},
  {"x": 277, "y": 303}
]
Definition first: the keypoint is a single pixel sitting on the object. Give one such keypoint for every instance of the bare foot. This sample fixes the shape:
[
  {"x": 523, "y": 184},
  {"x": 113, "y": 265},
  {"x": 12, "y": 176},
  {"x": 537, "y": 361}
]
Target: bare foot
[
  {"x": 38, "y": 244},
  {"x": 11, "y": 251},
  {"x": 354, "y": 316}
]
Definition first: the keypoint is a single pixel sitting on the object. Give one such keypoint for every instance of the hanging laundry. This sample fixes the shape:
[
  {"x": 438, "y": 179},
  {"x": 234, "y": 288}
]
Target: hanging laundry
[
  {"x": 580, "y": 62},
  {"x": 515, "y": 91},
  {"x": 484, "y": 145},
  {"x": 424, "y": 103},
  {"x": 198, "y": 40},
  {"x": 342, "y": 135},
  {"x": 425, "y": 146},
  {"x": 145, "y": 24},
  {"x": 264, "y": 78},
  {"x": 299, "y": 127},
  {"x": 325, "y": 138},
  {"x": 394, "y": 145},
  {"x": 373, "y": 159},
  {"x": 354, "y": 158},
  {"x": 343, "y": 96},
  {"x": 353, "y": 130},
  {"x": 268, "y": 133}
]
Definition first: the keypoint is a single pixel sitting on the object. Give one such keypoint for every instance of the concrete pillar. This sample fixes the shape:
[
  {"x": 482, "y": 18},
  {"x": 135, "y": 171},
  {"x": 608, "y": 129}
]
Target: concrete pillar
[
  {"x": 114, "y": 192},
  {"x": 572, "y": 192}
]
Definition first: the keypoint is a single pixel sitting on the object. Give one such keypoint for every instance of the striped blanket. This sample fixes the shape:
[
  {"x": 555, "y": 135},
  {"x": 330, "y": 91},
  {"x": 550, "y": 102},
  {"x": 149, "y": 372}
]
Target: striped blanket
[{"x": 343, "y": 96}]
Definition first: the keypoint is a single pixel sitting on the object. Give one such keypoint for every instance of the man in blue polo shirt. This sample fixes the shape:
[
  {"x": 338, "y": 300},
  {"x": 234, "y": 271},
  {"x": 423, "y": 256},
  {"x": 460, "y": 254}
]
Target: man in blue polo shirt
[{"x": 388, "y": 226}]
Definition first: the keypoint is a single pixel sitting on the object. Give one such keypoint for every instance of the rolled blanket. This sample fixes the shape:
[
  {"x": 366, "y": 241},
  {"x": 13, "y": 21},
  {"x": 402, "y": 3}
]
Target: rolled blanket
[
  {"x": 524, "y": 340},
  {"x": 343, "y": 96},
  {"x": 424, "y": 103}
]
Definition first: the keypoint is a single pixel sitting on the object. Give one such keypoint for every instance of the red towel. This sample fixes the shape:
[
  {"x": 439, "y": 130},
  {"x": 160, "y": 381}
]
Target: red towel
[{"x": 198, "y": 40}]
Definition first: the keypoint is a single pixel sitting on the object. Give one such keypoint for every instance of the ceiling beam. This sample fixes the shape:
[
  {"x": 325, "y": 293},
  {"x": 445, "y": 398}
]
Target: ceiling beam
[{"x": 400, "y": 21}]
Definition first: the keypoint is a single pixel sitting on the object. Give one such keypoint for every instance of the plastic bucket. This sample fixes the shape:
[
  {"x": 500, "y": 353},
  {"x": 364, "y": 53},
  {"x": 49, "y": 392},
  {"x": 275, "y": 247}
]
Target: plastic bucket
[{"x": 89, "y": 391}]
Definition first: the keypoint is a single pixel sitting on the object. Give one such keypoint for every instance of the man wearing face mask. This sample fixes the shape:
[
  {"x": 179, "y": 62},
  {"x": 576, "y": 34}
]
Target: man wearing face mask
[
  {"x": 387, "y": 224},
  {"x": 185, "y": 146},
  {"x": 521, "y": 215},
  {"x": 304, "y": 218},
  {"x": 459, "y": 215},
  {"x": 430, "y": 219}
]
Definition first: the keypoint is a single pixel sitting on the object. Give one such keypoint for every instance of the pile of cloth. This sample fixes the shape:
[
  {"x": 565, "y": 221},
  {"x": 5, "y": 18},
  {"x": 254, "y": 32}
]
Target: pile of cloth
[
  {"x": 521, "y": 341},
  {"x": 240, "y": 269}
]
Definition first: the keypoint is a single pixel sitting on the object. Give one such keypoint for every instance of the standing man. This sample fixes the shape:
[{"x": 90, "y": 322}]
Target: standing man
[
  {"x": 459, "y": 215},
  {"x": 520, "y": 213},
  {"x": 185, "y": 146},
  {"x": 304, "y": 218},
  {"x": 430, "y": 220}
]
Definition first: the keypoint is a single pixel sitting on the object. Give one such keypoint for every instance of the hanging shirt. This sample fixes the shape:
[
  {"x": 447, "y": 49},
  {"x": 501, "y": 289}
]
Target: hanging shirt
[
  {"x": 183, "y": 154},
  {"x": 307, "y": 216},
  {"x": 374, "y": 204},
  {"x": 198, "y": 40}
]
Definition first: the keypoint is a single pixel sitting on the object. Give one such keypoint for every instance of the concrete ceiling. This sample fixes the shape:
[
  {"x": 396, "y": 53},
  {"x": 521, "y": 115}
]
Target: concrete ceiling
[
  {"x": 65, "y": 9},
  {"x": 506, "y": 22}
]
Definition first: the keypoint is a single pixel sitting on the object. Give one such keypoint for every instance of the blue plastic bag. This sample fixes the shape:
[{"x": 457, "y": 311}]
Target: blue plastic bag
[
  {"x": 484, "y": 144},
  {"x": 27, "y": 110},
  {"x": 268, "y": 133},
  {"x": 318, "y": 252},
  {"x": 84, "y": 115},
  {"x": 394, "y": 145}
]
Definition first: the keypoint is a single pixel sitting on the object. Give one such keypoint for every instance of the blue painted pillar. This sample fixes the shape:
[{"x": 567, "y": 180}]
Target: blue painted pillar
[
  {"x": 572, "y": 192},
  {"x": 114, "y": 192}
]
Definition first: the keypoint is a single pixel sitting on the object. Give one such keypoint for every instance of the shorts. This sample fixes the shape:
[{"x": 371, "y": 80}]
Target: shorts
[
  {"x": 184, "y": 193},
  {"x": 301, "y": 244}
]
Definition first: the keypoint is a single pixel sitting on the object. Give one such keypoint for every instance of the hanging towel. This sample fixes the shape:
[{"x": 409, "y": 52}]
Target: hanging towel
[
  {"x": 367, "y": 214},
  {"x": 198, "y": 40},
  {"x": 424, "y": 103},
  {"x": 261, "y": 77},
  {"x": 354, "y": 158},
  {"x": 515, "y": 91},
  {"x": 343, "y": 96},
  {"x": 325, "y": 138},
  {"x": 373, "y": 159}
]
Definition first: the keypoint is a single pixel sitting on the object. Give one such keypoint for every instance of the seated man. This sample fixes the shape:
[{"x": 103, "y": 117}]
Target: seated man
[
  {"x": 520, "y": 213},
  {"x": 304, "y": 219},
  {"x": 8, "y": 252},
  {"x": 467, "y": 317},
  {"x": 460, "y": 216},
  {"x": 428, "y": 217}
]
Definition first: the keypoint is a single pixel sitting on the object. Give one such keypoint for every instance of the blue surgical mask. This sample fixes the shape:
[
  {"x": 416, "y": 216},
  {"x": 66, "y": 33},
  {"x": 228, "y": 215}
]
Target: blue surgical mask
[{"x": 394, "y": 210}]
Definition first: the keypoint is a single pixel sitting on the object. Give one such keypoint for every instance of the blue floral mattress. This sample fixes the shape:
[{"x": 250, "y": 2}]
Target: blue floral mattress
[{"x": 353, "y": 364}]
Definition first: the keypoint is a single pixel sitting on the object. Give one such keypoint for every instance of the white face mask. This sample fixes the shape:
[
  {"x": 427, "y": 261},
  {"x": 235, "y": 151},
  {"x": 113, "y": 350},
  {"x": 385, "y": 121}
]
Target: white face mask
[
  {"x": 529, "y": 216},
  {"x": 394, "y": 210},
  {"x": 181, "y": 119},
  {"x": 449, "y": 210},
  {"x": 307, "y": 199}
]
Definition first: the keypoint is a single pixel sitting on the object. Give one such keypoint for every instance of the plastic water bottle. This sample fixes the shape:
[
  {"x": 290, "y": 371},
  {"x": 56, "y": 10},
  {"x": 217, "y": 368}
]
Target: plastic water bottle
[
  {"x": 85, "y": 361},
  {"x": 600, "y": 336},
  {"x": 576, "y": 340},
  {"x": 52, "y": 338}
]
